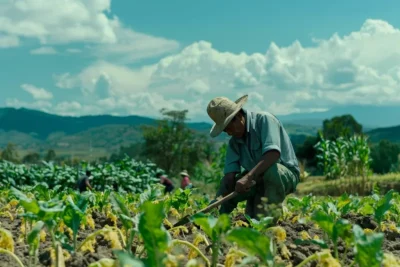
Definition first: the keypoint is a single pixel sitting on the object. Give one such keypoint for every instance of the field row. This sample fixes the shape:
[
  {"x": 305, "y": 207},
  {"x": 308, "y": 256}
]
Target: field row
[{"x": 48, "y": 228}]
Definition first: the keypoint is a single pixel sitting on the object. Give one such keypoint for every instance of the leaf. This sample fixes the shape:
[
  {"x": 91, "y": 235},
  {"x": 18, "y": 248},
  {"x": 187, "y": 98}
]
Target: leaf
[
  {"x": 74, "y": 213},
  {"x": 6, "y": 240},
  {"x": 324, "y": 221},
  {"x": 384, "y": 206},
  {"x": 213, "y": 227},
  {"x": 123, "y": 213},
  {"x": 106, "y": 262},
  {"x": 205, "y": 222},
  {"x": 261, "y": 224},
  {"x": 50, "y": 210},
  {"x": 368, "y": 247},
  {"x": 222, "y": 226},
  {"x": 252, "y": 241},
  {"x": 30, "y": 205},
  {"x": 34, "y": 237},
  {"x": 156, "y": 238}
]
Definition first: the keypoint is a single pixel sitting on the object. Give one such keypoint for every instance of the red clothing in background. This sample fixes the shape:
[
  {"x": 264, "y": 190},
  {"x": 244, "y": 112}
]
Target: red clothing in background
[
  {"x": 164, "y": 180},
  {"x": 185, "y": 182}
]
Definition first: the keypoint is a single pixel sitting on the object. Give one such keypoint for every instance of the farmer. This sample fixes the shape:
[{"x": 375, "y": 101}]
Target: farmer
[
  {"x": 169, "y": 186},
  {"x": 185, "y": 182},
  {"x": 83, "y": 183},
  {"x": 260, "y": 145}
]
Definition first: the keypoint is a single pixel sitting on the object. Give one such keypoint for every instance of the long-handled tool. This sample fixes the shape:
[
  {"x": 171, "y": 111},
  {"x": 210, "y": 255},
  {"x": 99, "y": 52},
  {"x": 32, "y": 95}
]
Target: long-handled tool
[{"x": 186, "y": 219}]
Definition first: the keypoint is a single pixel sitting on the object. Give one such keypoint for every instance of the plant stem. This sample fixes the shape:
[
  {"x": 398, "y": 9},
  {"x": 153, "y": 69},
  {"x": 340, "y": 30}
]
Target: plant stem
[
  {"x": 336, "y": 250},
  {"x": 26, "y": 230},
  {"x": 312, "y": 257},
  {"x": 93, "y": 235},
  {"x": 186, "y": 243},
  {"x": 75, "y": 240},
  {"x": 130, "y": 240},
  {"x": 345, "y": 253},
  {"x": 215, "y": 248},
  {"x": 12, "y": 255}
]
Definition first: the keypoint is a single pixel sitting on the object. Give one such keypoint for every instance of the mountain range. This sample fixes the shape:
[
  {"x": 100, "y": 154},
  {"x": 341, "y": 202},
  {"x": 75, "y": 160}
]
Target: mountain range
[
  {"x": 370, "y": 116},
  {"x": 100, "y": 135}
]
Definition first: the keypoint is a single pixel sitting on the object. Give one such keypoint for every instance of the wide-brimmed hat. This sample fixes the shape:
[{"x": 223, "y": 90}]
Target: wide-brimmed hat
[
  {"x": 222, "y": 110},
  {"x": 184, "y": 173}
]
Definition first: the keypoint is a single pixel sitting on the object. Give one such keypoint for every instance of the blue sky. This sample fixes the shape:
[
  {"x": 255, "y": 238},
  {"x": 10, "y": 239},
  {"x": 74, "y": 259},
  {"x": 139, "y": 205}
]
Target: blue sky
[{"x": 145, "y": 55}]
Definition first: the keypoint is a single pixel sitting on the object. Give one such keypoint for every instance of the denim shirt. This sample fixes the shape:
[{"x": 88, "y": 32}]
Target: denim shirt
[{"x": 264, "y": 132}]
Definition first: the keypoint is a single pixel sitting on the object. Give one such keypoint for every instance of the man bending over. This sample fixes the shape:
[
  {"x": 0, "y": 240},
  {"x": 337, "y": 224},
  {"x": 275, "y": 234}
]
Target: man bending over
[{"x": 260, "y": 145}]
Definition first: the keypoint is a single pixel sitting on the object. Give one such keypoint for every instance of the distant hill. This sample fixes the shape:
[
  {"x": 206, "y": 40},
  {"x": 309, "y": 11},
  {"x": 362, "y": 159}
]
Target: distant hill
[
  {"x": 368, "y": 115},
  {"x": 38, "y": 131},
  {"x": 389, "y": 133},
  {"x": 101, "y": 135}
]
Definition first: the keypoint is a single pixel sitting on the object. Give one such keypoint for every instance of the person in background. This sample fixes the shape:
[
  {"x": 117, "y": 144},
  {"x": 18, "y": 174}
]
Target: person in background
[
  {"x": 169, "y": 186},
  {"x": 84, "y": 183},
  {"x": 185, "y": 182}
]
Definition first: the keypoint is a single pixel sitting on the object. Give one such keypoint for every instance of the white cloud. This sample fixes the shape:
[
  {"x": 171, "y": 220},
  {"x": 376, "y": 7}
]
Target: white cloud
[
  {"x": 60, "y": 22},
  {"x": 39, "y": 105},
  {"x": 132, "y": 46},
  {"x": 37, "y": 93},
  {"x": 362, "y": 67},
  {"x": 7, "y": 41},
  {"x": 198, "y": 87},
  {"x": 74, "y": 50},
  {"x": 45, "y": 50},
  {"x": 120, "y": 79}
]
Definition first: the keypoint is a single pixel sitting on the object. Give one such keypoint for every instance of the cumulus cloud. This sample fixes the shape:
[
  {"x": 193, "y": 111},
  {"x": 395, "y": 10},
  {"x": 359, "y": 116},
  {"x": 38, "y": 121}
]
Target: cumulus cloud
[
  {"x": 37, "y": 93},
  {"x": 45, "y": 106},
  {"x": 74, "y": 50},
  {"x": 7, "y": 41},
  {"x": 121, "y": 80},
  {"x": 362, "y": 67},
  {"x": 60, "y": 22},
  {"x": 45, "y": 50}
]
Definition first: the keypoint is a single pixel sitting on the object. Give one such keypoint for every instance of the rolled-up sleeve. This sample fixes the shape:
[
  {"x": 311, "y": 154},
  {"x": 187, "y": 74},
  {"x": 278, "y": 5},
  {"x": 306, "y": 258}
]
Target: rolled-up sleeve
[
  {"x": 231, "y": 159},
  {"x": 270, "y": 133}
]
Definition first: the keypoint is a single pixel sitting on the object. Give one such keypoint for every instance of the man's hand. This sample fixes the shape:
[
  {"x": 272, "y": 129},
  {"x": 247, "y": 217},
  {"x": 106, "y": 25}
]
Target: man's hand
[{"x": 243, "y": 184}]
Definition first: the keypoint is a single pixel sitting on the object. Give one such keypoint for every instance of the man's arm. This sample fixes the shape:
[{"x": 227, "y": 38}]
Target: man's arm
[
  {"x": 267, "y": 160},
  {"x": 269, "y": 133},
  {"x": 88, "y": 184},
  {"x": 229, "y": 182},
  {"x": 232, "y": 167}
]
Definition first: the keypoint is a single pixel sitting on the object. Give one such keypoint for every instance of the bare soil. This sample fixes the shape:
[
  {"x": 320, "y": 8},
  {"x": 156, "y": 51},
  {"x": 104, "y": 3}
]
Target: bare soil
[{"x": 103, "y": 248}]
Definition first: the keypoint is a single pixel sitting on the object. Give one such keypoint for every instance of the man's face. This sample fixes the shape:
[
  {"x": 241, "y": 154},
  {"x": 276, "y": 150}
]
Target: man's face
[{"x": 236, "y": 127}]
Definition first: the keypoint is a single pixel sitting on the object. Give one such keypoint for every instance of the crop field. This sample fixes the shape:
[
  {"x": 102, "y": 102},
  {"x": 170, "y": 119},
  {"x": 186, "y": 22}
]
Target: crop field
[{"x": 45, "y": 222}]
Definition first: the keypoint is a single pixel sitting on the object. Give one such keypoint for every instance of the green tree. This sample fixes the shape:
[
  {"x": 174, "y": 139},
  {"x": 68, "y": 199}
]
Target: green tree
[
  {"x": 341, "y": 126},
  {"x": 307, "y": 150},
  {"x": 171, "y": 144},
  {"x": 31, "y": 158},
  {"x": 384, "y": 156},
  {"x": 10, "y": 153},
  {"x": 133, "y": 151},
  {"x": 50, "y": 156},
  {"x": 212, "y": 171}
]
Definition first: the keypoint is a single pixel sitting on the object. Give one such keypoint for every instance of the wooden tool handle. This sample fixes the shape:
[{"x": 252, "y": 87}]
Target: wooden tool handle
[{"x": 222, "y": 200}]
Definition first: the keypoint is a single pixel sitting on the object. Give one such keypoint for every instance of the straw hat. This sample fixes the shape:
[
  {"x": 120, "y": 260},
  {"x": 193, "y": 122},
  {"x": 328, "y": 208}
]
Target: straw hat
[
  {"x": 222, "y": 110},
  {"x": 184, "y": 173}
]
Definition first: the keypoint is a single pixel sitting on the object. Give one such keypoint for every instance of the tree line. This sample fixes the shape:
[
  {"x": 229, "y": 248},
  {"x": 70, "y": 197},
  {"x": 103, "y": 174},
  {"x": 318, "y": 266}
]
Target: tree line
[{"x": 173, "y": 146}]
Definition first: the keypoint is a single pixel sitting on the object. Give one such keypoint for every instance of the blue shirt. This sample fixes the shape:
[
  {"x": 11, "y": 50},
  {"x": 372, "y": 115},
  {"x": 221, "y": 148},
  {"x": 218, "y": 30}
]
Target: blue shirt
[{"x": 264, "y": 132}]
